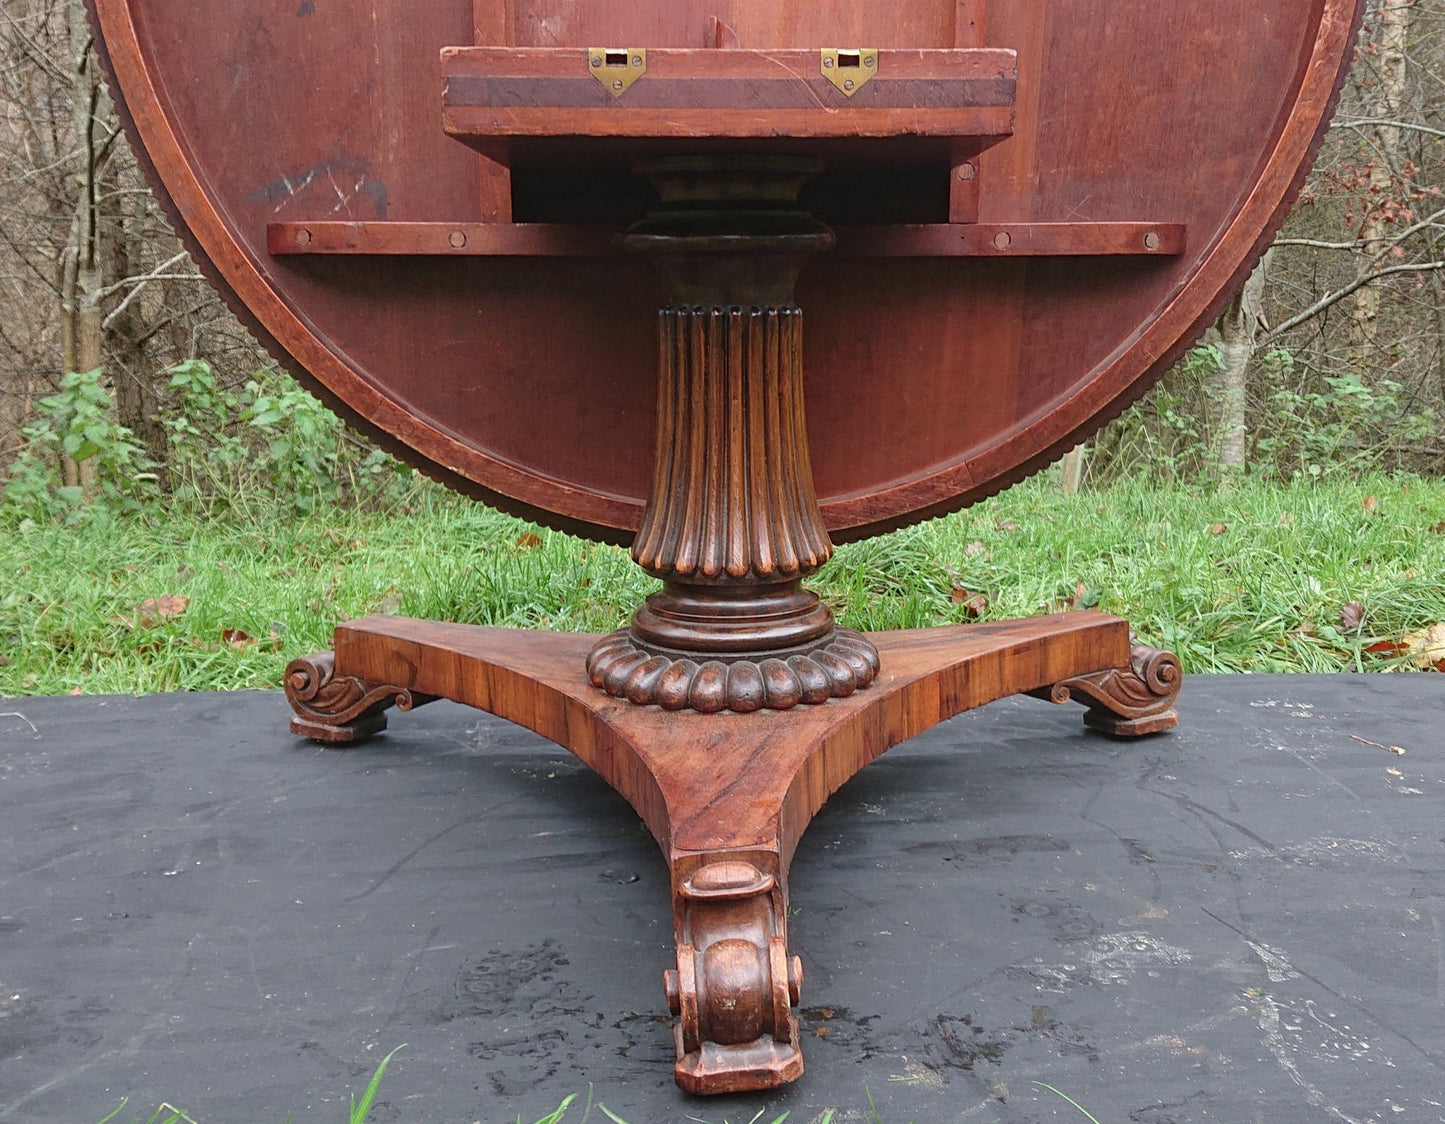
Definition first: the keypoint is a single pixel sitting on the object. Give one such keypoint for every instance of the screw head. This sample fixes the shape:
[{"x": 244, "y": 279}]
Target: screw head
[
  {"x": 1151, "y": 241},
  {"x": 869, "y": 60},
  {"x": 596, "y": 61},
  {"x": 848, "y": 84},
  {"x": 303, "y": 237},
  {"x": 1002, "y": 240},
  {"x": 828, "y": 63},
  {"x": 636, "y": 60},
  {"x": 617, "y": 83},
  {"x": 967, "y": 171},
  {"x": 457, "y": 239}
]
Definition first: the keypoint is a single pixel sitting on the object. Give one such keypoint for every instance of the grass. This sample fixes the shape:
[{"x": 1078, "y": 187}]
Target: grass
[{"x": 1248, "y": 577}]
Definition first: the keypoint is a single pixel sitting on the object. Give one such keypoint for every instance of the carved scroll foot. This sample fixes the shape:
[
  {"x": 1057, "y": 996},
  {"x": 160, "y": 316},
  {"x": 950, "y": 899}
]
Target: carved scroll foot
[
  {"x": 735, "y": 985},
  {"x": 340, "y": 709},
  {"x": 1127, "y": 702}
]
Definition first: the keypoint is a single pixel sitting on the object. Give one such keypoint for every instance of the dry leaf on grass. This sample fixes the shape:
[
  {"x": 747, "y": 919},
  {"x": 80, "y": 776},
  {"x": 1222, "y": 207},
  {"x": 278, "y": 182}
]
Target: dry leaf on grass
[
  {"x": 1218, "y": 528},
  {"x": 974, "y": 605},
  {"x": 154, "y": 609},
  {"x": 1426, "y": 648},
  {"x": 529, "y": 540},
  {"x": 1352, "y": 616},
  {"x": 1370, "y": 505}
]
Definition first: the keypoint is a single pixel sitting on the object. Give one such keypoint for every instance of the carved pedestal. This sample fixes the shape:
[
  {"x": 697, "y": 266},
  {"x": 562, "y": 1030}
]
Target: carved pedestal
[{"x": 732, "y": 527}]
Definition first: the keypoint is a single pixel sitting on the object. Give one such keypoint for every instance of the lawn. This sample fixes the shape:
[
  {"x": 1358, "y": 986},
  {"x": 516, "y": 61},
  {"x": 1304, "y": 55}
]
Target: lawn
[{"x": 1316, "y": 576}]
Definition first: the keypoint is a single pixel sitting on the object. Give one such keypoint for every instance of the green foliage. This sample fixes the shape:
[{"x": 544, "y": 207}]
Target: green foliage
[
  {"x": 271, "y": 439},
  {"x": 265, "y": 442},
  {"x": 1300, "y": 422},
  {"x": 76, "y": 423}
]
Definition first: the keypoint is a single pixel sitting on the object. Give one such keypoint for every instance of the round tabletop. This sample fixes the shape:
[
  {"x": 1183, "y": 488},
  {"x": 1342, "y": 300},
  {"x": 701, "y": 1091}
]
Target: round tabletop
[{"x": 1105, "y": 174}]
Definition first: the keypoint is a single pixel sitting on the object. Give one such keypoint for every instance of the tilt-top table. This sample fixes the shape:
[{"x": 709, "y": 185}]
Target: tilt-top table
[{"x": 453, "y": 219}]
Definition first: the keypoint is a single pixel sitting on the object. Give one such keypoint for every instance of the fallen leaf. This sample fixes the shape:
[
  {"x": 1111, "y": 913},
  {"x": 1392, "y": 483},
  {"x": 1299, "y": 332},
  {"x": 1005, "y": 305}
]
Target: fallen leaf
[
  {"x": 1352, "y": 616},
  {"x": 975, "y": 548},
  {"x": 154, "y": 609},
  {"x": 822, "y": 1032},
  {"x": 1286, "y": 517},
  {"x": 4, "y": 662},
  {"x": 1386, "y": 648},
  {"x": 235, "y": 637},
  {"x": 974, "y": 605},
  {"x": 1370, "y": 504},
  {"x": 1008, "y": 527},
  {"x": 1426, "y": 648},
  {"x": 76, "y": 691},
  {"x": 827, "y": 1012},
  {"x": 1218, "y": 528},
  {"x": 529, "y": 540},
  {"x": 1438, "y": 528}
]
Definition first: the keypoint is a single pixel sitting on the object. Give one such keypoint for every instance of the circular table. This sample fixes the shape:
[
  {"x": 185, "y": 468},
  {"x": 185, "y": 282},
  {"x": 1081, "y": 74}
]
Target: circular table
[{"x": 456, "y": 221}]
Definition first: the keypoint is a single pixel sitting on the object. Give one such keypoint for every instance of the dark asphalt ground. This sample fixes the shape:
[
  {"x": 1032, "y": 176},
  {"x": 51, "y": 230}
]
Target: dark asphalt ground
[{"x": 1240, "y": 921}]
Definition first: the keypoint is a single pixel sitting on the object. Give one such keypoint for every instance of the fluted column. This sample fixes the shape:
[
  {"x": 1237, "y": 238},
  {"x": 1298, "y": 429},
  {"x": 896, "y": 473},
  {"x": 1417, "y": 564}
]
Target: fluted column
[
  {"x": 732, "y": 522},
  {"x": 732, "y": 489}
]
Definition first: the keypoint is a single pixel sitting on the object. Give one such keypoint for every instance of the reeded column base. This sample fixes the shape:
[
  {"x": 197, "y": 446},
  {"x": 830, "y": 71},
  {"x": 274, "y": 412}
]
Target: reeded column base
[{"x": 840, "y": 663}]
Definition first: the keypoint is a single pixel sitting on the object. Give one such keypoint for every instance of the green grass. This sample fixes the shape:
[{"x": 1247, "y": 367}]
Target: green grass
[{"x": 1262, "y": 594}]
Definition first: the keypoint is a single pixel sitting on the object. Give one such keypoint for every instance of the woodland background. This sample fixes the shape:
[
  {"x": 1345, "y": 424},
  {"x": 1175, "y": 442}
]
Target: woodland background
[{"x": 123, "y": 377}]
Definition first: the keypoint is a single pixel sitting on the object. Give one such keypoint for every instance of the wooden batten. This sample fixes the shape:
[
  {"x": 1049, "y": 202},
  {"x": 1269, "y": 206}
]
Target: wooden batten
[
  {"x": 492, "y": 27},
  {"x": 969, "y": 30}
]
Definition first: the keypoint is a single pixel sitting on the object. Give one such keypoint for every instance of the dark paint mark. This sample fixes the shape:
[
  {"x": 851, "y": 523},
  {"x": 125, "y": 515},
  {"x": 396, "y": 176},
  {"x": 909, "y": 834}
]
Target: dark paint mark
[
  {"x": 306, "y": 7},
  {"x": 352, "y": 169},
  {"x": 377, "y": 190}
]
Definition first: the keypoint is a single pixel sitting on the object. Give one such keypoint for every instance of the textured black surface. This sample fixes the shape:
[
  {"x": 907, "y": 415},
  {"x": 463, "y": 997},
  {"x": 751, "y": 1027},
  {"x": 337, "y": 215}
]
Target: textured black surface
[{"x": 1240, "y": 921}]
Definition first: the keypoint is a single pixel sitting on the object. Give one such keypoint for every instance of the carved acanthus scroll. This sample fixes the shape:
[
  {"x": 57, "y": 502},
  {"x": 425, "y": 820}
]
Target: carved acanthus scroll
[
  {"x": 340, "y": 708},
  {"x": 1127, "y": 701}
]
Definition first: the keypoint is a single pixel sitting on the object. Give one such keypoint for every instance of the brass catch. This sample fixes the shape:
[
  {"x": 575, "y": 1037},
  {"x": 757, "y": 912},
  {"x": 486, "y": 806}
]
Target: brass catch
[
  {"x": 849, "y": 69},
  {"x": 616, "y": 67}
]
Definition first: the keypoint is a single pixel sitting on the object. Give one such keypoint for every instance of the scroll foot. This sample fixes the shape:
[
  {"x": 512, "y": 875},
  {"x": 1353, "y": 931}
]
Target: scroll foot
[
  {"x": 340, "y": 709},
  {"x": 1127, "y": 702},
  {"x": 735, "y": 985}
]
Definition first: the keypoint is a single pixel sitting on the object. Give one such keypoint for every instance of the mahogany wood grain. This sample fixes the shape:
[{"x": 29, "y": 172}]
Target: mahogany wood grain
[
  {"x": 940, "y": 240},
  {"x": 491, "y": 27},
  {"x": 1009, "y": 362},
  {"x": 694, "y": 93},
  {"x": 970, "y": 29},
  {"x": 729, "y": 797}
]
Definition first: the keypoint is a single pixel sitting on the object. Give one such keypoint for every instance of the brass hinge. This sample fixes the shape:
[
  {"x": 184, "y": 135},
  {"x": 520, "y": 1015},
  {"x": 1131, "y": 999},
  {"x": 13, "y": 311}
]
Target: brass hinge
[
  {"x": 616, "y": 67},
  {"x": 849, "y": 69}
]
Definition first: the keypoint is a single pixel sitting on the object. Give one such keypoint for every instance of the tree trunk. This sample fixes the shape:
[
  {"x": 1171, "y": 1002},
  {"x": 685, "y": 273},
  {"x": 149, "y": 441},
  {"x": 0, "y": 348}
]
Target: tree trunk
[
  {"x": 1073, "y": 468},
  {"x": 1236, "y": 335},
  {"x": 1383, "y": 100},
  {"x": 82, "y": 276}
]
